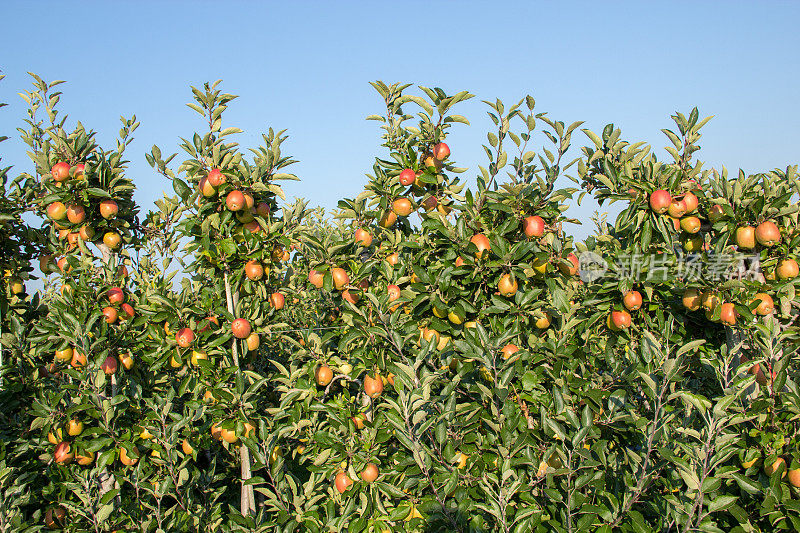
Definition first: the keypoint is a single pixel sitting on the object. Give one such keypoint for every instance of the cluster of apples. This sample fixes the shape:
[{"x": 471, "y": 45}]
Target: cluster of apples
[
  {"x": 74, "y": 220},
  {"x": 778, "y": 465},
  {"x": 185, "y": 338},
  {"x": 241, "y": 203},
  {"x": 341, "y": 282},
  {"x": 117, "y": 308},
  {"x": 620, "y": 319},
  {"x": 63, "y": 451},
  {"x": 682, "y": 213}
]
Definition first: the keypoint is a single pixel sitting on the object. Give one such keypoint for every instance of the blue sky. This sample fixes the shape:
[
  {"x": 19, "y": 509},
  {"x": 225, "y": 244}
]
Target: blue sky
[{"x": 305, "y": 66}]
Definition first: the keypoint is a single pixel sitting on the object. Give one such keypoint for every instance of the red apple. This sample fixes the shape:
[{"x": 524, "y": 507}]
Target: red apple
[
  {"x": 240, "y": 328},
  {"x": 56, "y": 211},
  {"x": 184, "y": 337},
  {"x": 235, "y": 201},
  {"x": 60, "y": 171},
  {"x": 533, "y": 226},
  {"x": 660, "y": 201},
  {"x": 108, "y": 209},
  {"x": 407, "y": 177},
  {"x": 216, "y": 177},
  {"x": 768, "y": 234},
  {"x": 441, "y": 151}
]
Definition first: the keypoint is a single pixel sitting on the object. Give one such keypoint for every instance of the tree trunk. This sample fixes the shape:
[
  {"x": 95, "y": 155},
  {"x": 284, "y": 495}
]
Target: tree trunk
[{"x": 247, "y": 502}]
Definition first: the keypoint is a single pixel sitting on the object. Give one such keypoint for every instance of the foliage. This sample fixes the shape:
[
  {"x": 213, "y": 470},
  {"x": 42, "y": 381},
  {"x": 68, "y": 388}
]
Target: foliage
[{"x": 428, "y": 358}]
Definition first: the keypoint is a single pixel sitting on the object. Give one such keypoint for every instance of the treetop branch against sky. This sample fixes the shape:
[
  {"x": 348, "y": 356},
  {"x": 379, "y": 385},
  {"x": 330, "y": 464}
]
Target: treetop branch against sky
[{"x": 306, "y": 67}]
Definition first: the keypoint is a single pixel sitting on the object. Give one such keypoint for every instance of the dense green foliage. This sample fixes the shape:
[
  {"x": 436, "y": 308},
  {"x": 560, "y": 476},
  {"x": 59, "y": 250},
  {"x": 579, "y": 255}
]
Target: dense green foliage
[{"x": 428, "y": 358}]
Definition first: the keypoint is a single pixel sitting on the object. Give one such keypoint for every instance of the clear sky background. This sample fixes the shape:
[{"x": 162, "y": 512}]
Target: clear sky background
[{"x": 305, "y": 66}]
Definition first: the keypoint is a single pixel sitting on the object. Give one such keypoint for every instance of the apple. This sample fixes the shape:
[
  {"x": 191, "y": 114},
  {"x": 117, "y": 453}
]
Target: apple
[
  {"x": 277, "y": 300},
  {"x": 253, "y": 341},
  {"x": 728, "y": 314},
  {"x": 482, "y": 243},
  {"x": 363, "y": 237},
  {"x": 245, "y": 216},
  {"x": 393, "y": 258},
  {"x": 459, "y": 262},
  {"x": 787, "y": 269},
  {"x": 241, "y": 328},
  {"x": 228, "y": 435},
  {"x": 74, "y": 428},
  {"x": 430, "y": 203},
  {"x": 110, "y": 314},
  {"x": 56, "y": 211},
  {"x": 63, "y": 453},
  {"x": 110, "y": 365},
  {"x": 716, "y": 213},
  {"x": 108, "y": 209},
  {"x": 508, "y": 350},
  {"x": 533, "y": 226},
  {"x": 342, "y": 482},
  {"x": 370, "y": 473},
  {"x": 215, "y": 177},
  {"x": 691, "y": 202},
  {"x": 407, "y": 177},
  {"x": 768, "y": 234},
  {"x": 79, "y": 170},
  {"x": 677, "y": 208},
  {"x": 620, "y": 319},
  {"x": 249, "y": 202},
  {"x": 340, "y": 278},
  {"x": 402, "y": 207},
  {"x": 252, "y": 227},
  {"x": 794, "y": 477},
  {"x": 507, "y": 285},
  {"x": 55, "y": 518},
  {"x": 76, "y": 213},
  {"x": 197, "y": 356},
  {"x": 765, "y": 304},
  {"x": 126, "y": 360},
  {"x": 709, "y": 300},
  {"x": 572, "y": 268},
  {"x": 350, "y": 296},
  {"x": 660, "y": 201},
  {"x": 691, "y": 299},
  {"x": 184, "y": 337},
  {"x": 693, "y": 243},
  {"x": 393, "y": 292},
  {"x": 690, "y": 225},
  {"x": 316, "y": 278},
  {"x": 441, "y": 151},
  {"x": 115, "y": 295},
  {"x": 86, "y": 233},
  {"x": 253, "y": 270},
  {"x": 542, "y": 321},
  {"x": 632, "y": 300},
  {"x": 128, "y": 458},
  {"x": 60, "y": 171},
  {"x": 373, "y": 386},
  {"x": 187, "y": 447},
  {"x": 746, "y": 237},
  {"x": 126, "y": 312},
  {"x": 64, "y": 355},
  {"x": 112, "y": 239},
  {"x": 323, "y": 375},
  {"x": 206, "y": 188},
  {"x": 388, "y": 219},
  {"x": 778, "y": 465},
  {"x": 262, "y": 209},
  {"x": 235, "y": 201}
]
